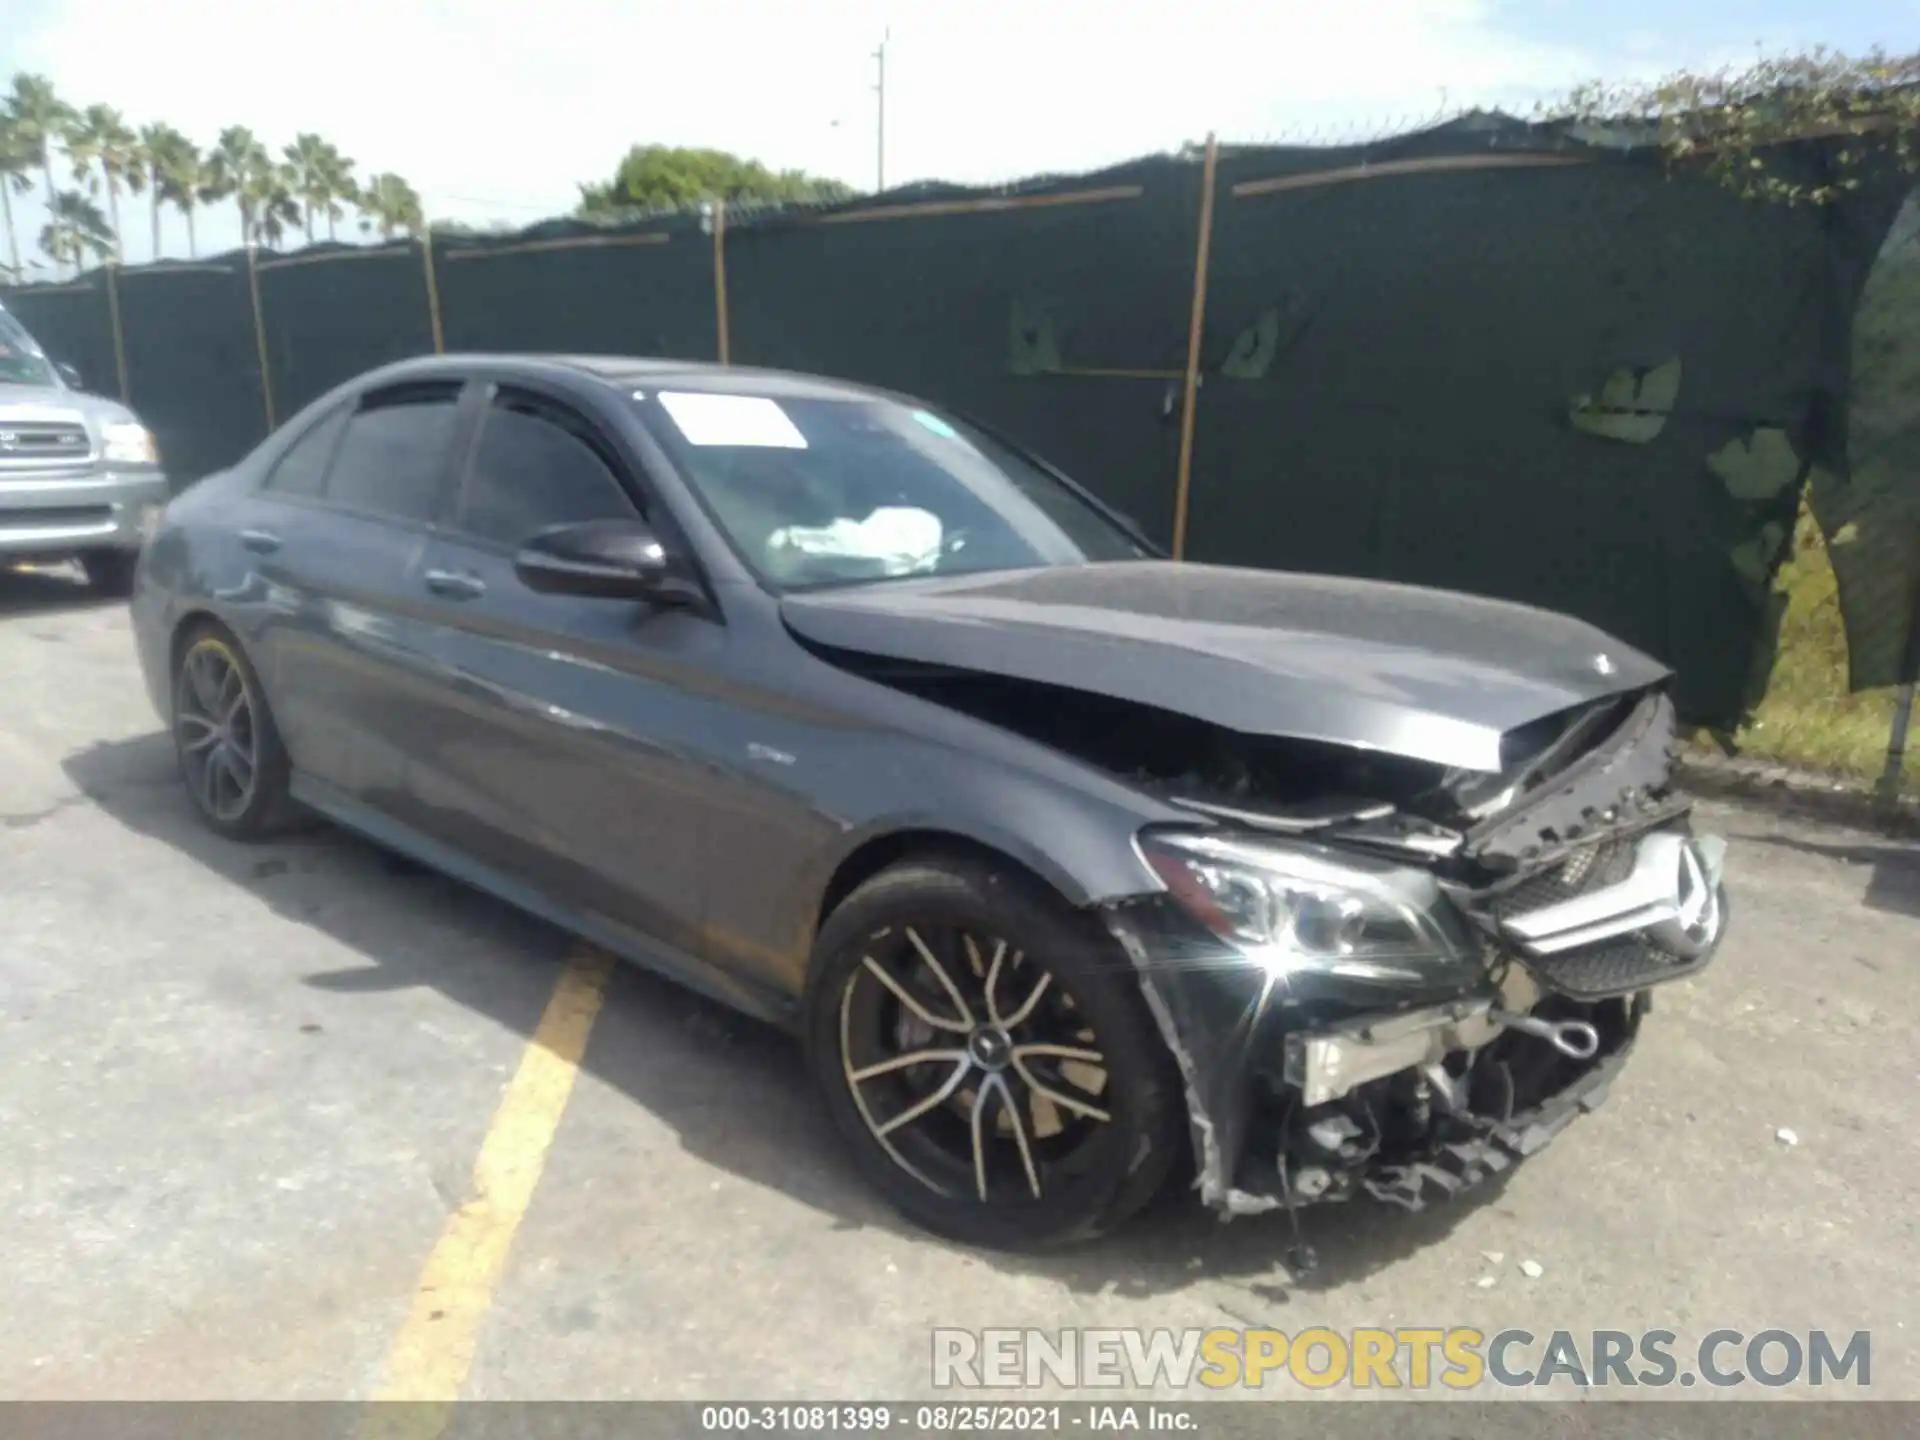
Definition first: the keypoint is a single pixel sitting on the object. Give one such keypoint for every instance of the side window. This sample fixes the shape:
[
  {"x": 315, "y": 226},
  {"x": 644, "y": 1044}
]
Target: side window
[
  {"x": 302, "y": 469},
  {"x": 535, "y": 467},
  {"x": 393, "y": 456}
]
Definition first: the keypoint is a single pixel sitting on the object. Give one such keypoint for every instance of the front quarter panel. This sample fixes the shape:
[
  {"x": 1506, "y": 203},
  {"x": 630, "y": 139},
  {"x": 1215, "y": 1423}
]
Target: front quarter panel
[
  {"x": 192, "y": 565},
  {"x": 816, "y": 765}
]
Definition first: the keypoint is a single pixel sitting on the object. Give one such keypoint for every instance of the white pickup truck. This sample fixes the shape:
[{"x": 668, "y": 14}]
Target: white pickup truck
[{"x": 80, "y": 476}]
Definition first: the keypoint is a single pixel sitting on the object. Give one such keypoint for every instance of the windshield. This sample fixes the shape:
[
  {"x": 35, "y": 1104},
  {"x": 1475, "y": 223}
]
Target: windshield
[
  {"x": 21, "y": 362},
  {"x": 827, "y": 491}
]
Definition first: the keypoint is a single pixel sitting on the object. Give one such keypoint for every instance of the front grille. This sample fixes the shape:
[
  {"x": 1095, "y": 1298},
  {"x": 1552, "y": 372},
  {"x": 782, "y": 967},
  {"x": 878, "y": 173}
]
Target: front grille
[
  {"x": 56, "y": 517},
  {"x": 43, "y": 440},
  {"x": 1611, "y": 967},
  {"x": 1591, "y": 867}
]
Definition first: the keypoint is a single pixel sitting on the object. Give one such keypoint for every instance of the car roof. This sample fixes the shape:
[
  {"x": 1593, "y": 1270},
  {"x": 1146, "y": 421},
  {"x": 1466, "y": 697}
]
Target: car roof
[{"x": 630, "y": 371}]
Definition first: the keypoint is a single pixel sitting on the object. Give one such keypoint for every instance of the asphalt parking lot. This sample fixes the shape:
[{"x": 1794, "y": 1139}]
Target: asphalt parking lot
[{"x": 244, "y": 1092}]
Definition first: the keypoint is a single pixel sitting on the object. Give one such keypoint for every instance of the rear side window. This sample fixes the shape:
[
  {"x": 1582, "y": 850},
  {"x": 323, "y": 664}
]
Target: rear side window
[
  {"x": 537, "y": 464},
  {"x": 302, "y": 470},
  {"x": 393, "y": 456}
]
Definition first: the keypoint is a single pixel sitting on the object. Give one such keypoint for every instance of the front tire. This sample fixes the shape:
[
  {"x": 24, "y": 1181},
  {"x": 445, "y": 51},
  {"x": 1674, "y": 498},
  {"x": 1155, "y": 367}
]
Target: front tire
[
  {"x": 231, "y": 760},
  {"x": 986, "y": 1053}
]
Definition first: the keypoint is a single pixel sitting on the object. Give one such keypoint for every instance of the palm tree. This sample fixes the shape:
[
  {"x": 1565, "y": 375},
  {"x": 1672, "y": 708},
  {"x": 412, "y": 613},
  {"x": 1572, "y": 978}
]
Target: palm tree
[
  {"x": 390, "y": 204},
  {"x": 342, "y": 188},
  {"x": 267, "y": 194},
  {"x": 75, "y": 229},
  {"x": 39, "y": 118},
  {"x": 233, "y": 171},
  {"x": 99, "y": 136},
  {"x": 16, "y": 159},
  {"x": 157, "y": 142},
  {"x": 308, "y": 176},
  {"x": 183, "y": 175}
]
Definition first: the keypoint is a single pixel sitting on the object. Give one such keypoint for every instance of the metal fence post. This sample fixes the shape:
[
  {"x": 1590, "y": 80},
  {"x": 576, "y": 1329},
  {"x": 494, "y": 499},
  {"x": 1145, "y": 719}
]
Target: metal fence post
[
  {"x": 1195, "y": 326},
  {"x": 720, "y": 278},
  {"x": 433, "y": 290},
  {"x": 119, "y": 336},
  {"x": 260, "y": 336},
  {"x": 1890, "y": 778}
]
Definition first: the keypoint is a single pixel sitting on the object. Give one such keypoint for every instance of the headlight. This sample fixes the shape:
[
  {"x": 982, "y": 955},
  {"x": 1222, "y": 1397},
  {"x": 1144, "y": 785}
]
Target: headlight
[
  {"x": 1292, "y": 908},
  {"x": 125, "y": 443}
]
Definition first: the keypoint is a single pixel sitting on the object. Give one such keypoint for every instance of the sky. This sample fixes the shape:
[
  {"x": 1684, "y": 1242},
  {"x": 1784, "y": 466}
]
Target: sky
[{"x": 495, "y": 110}]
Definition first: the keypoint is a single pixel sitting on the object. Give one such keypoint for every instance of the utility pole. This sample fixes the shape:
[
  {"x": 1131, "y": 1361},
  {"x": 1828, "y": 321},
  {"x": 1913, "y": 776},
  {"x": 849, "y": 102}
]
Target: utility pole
[{"x": 880, "y": 130}]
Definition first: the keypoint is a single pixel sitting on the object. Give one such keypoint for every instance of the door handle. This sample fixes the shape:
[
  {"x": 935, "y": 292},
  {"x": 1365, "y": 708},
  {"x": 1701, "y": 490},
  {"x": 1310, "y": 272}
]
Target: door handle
[
  {"x": 261, "y": 542},
  {"x": 455, "y": 586}
]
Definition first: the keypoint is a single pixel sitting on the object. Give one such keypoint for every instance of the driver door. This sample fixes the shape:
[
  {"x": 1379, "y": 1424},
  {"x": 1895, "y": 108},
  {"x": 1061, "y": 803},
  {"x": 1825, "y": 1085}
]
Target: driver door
[{"x": 563, "y": 757}]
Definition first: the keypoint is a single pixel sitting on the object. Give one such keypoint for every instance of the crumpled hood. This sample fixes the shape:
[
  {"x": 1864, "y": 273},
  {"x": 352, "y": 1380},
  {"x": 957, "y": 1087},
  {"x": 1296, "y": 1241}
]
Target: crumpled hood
[{"x": 1428, "y": 674}]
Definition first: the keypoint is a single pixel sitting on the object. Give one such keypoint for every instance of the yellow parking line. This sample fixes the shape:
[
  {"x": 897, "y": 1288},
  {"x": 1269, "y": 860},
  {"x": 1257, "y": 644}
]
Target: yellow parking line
[{"x": 434, "y": 1350}]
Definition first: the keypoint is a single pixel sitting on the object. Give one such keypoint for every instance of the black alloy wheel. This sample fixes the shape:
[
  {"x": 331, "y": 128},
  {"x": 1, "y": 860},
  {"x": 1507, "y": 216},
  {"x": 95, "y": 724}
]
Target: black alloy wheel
[
  {"x": 987, "y": 1053},
  {"x": 231, "y": 760}
]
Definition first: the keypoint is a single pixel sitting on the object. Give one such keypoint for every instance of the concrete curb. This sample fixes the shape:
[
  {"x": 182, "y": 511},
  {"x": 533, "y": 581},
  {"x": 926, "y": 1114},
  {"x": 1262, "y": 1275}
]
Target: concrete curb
[{"x": 1800, "y": 792}]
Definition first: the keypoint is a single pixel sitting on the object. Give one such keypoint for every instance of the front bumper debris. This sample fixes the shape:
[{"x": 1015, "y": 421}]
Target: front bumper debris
[{"x": 1302, "y": 1090}]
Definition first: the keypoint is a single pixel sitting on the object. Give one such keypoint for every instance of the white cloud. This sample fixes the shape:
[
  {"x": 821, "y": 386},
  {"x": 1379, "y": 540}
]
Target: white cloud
[{"x": 495, "y": 109}]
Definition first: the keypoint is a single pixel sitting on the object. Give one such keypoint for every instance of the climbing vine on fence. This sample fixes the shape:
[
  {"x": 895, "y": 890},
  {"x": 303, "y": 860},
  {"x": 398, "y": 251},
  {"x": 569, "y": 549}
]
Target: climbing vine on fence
[{"x": 1732, "y": 124}]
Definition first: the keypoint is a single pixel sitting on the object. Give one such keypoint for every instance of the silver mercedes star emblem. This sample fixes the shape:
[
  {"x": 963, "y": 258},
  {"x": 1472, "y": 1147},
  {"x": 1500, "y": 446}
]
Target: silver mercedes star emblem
[
  {"x": 1603, "y": 664},
  {"x": 1697, "y": 915}
]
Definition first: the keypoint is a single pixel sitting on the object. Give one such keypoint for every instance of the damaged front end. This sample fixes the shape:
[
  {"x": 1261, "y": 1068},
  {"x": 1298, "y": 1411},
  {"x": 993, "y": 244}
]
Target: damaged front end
[{"x": 1402, "y": 995}]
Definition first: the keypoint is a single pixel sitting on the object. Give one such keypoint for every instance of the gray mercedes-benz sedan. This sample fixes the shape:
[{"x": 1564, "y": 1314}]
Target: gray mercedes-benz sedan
[
  {"x": 1076, "y": 868},
  {"x": 80, "y": 477}
]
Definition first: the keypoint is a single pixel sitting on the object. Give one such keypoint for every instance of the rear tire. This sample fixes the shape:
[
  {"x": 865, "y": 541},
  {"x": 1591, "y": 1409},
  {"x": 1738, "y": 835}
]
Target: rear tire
[
  {"x": 110, "y": 572},
  {"x": 1007, "y": 1134},
  {"x": 235, "y": 769}
]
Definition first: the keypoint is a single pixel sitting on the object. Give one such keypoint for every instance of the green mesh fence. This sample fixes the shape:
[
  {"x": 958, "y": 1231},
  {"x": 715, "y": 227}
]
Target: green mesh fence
[
  {"x": 1061, "y": 321},
  {"x": 1488, "y": 356},
  {"x": 646, "y": 290},
  {"x": 193, "y": 364},
  {"x": 320, "y": 310},
  {"x": 1870, "y": 515},
  {"x": 73, "y": 323},
  {"x": 1510, "y": 380}
]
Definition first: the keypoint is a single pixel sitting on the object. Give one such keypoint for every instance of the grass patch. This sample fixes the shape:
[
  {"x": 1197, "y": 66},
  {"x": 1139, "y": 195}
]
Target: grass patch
[{"x": 1808, "y": 720}]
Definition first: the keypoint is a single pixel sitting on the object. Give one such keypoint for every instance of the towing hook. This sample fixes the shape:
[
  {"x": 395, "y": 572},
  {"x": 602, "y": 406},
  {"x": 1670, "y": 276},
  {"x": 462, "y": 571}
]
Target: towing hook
[{"x": 1575, "y": 1039}]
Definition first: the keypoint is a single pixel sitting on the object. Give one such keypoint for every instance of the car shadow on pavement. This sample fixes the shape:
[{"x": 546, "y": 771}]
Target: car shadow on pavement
[
  {"x": 47, "y": 588},
  {"x": 1893, "y": 888},
  {"x": 732, "y": 1089}
]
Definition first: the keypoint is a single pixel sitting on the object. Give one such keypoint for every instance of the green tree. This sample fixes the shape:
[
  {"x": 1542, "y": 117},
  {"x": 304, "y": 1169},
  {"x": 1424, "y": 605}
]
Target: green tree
[
  {"x": 75, "y": 230},
  {"x": 267, "y": 194},
  {"x": 390, "y": 205},
  {"x": 664, "y": 175},
  {"x": 342, "y": 188},
  {"x": 183, "y": 177},
  {"x": 309, "y": 179},
  {"x": 16, "y": 163},
  {"x": 234, "y": 170},
  {"x": 39, "y": 118},
  {"x": 159, "y": 157},
  {"x": 98, "y": 136}
]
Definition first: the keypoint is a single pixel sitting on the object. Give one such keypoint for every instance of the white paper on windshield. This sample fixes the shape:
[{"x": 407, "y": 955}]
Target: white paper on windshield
[
  {"x": 746, "y": 420},
  {"x": 901, "y": 538}
]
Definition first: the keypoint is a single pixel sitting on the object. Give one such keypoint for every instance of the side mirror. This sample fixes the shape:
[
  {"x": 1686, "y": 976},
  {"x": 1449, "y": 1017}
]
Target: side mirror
[
  {"x": 70, "y": 374},
  {"x": 603, "y": 559}
]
